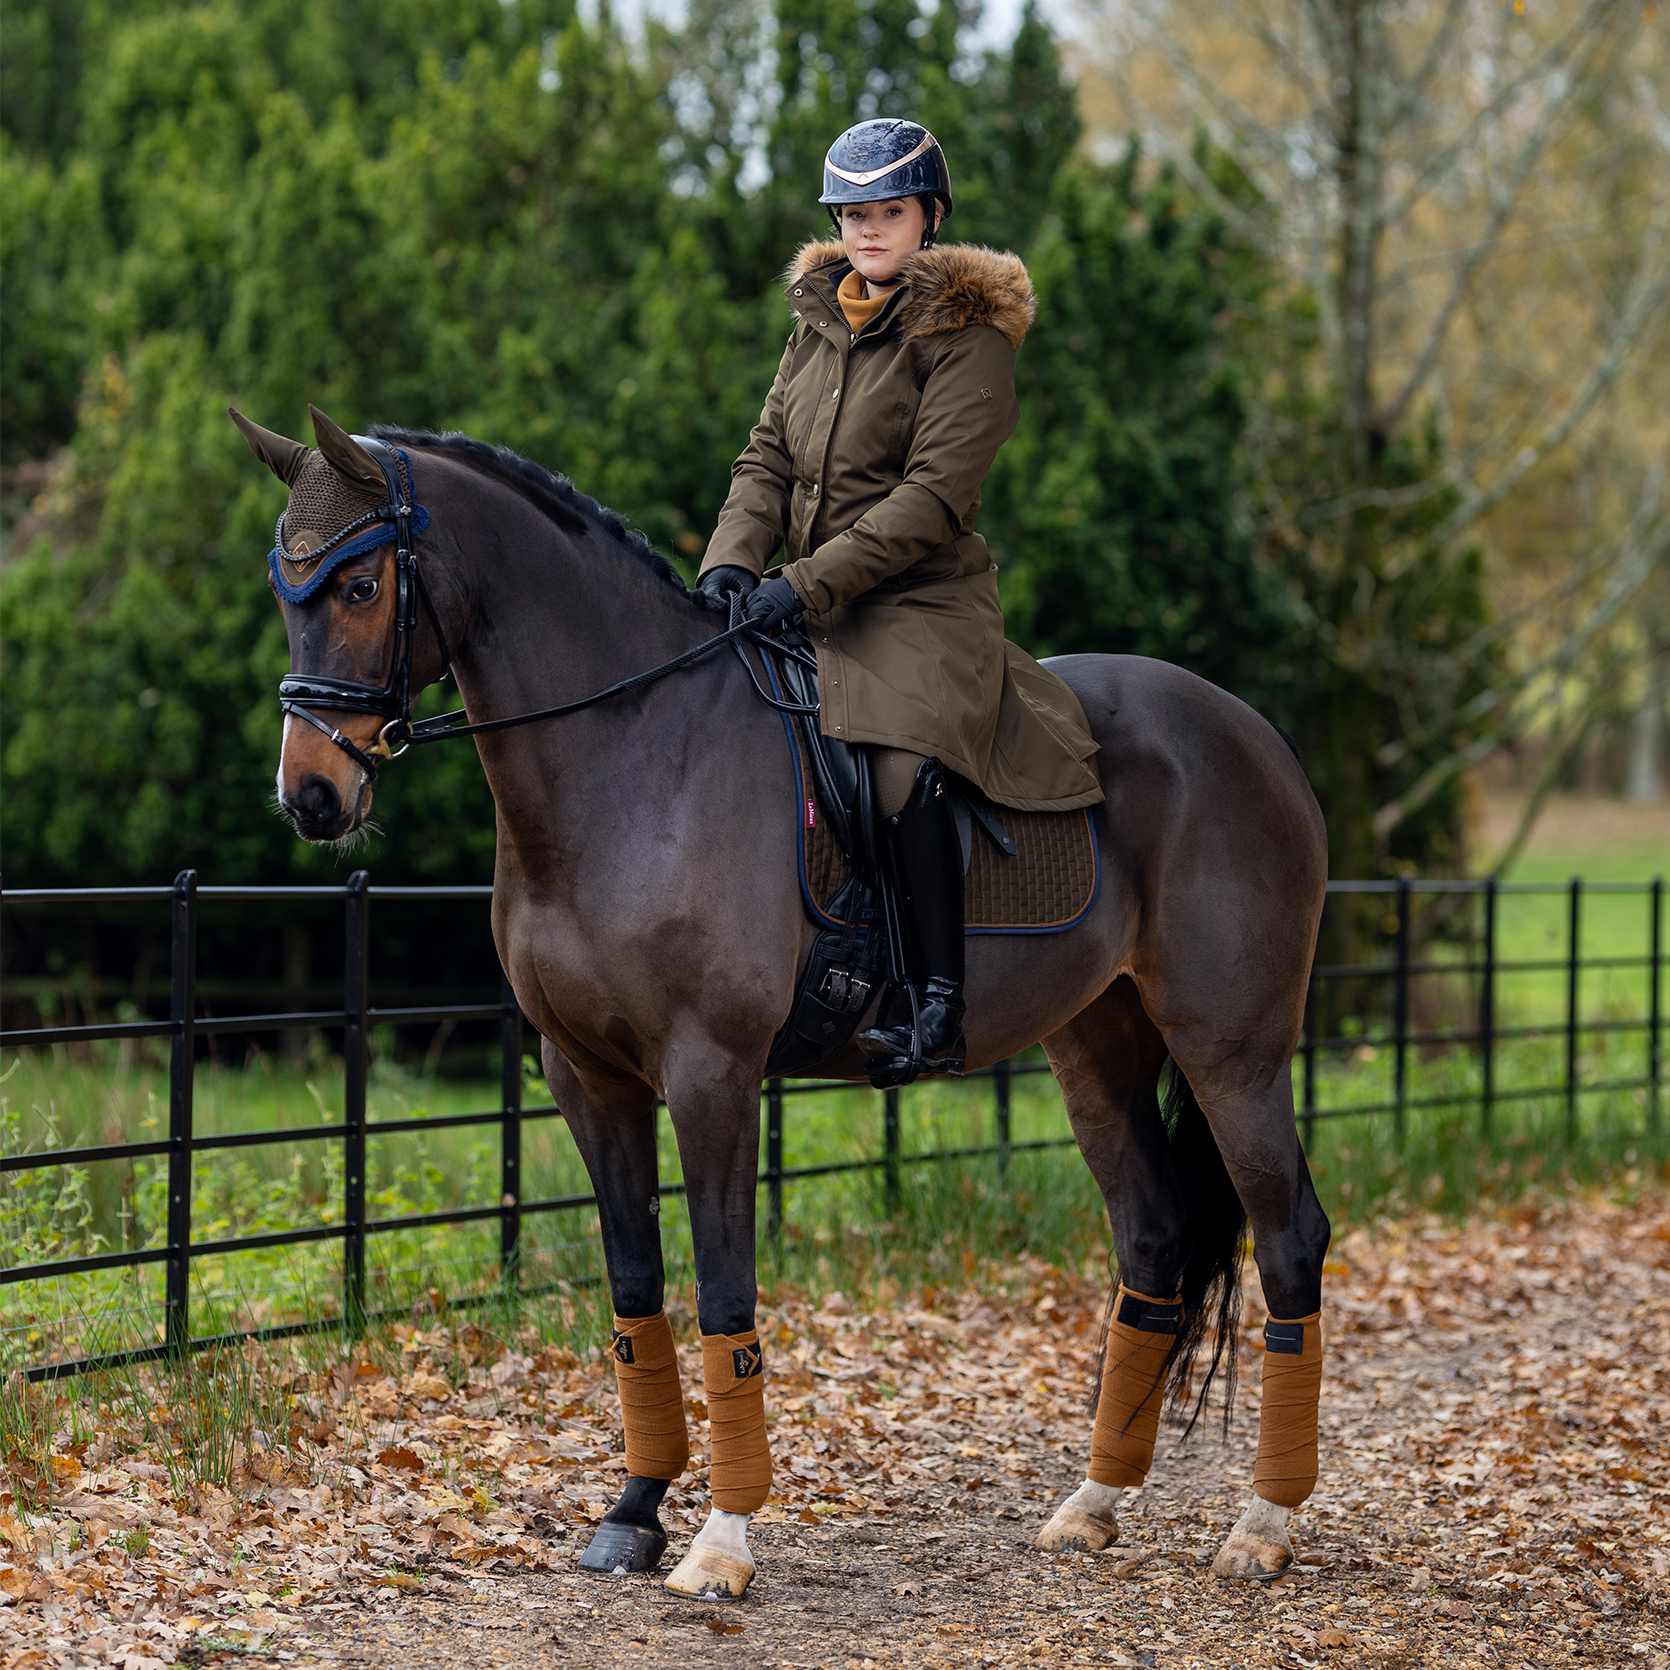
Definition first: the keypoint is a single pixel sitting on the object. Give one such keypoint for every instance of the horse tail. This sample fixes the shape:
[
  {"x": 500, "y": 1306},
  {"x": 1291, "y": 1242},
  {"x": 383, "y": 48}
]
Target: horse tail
[{"x": 1211, "y": 1284}]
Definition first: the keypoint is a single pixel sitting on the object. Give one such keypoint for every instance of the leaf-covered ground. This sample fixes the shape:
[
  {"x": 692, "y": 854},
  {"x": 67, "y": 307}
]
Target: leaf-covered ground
[{"x": 1495, "y": 1491}]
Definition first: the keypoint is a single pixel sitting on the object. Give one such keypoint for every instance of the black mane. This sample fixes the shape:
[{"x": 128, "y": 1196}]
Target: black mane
[{"x": 555, "y": 494}]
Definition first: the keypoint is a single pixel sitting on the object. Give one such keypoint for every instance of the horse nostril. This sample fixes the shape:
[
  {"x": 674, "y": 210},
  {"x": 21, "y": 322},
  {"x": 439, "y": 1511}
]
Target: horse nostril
[{"x": 317, "y": 799}]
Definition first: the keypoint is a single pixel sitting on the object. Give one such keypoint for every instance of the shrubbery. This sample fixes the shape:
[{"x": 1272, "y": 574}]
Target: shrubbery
[{"x": 505, "y": 219}]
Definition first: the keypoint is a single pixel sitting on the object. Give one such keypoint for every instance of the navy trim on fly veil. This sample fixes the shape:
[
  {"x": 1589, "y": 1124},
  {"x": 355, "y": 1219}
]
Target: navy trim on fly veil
[{"x": 378, "y": 532}]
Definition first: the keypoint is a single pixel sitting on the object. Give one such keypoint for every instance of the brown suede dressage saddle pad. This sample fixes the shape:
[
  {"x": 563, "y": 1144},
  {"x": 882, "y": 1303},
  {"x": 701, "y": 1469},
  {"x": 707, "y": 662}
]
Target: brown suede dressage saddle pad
[
  {"x": 1045, "y": 886},
  {"x": 1023, "y": 872}
]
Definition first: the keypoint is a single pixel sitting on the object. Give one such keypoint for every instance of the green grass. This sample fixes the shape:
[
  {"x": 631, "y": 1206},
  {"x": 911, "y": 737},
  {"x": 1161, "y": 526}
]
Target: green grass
[
  {"x": 952, "y": 1222},
  {"x": 1637, "y": 854},
  {"x": 832, "y": 1225}
]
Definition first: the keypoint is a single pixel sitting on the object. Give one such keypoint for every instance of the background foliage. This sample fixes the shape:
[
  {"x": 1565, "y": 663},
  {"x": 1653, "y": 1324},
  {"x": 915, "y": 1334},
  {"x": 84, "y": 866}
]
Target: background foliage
[{"x": 505, "y": 218}]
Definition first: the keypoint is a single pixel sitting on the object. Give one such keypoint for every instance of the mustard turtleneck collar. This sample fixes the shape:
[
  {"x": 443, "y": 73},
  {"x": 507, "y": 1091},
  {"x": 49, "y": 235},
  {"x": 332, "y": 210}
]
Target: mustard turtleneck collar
[{"x": 858, "y": 308}]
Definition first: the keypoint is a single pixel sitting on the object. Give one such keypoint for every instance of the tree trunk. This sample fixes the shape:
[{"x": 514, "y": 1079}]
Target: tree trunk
[
  {"x": 1346, "y": 724},
  {"x": 1645, "y": 784}
]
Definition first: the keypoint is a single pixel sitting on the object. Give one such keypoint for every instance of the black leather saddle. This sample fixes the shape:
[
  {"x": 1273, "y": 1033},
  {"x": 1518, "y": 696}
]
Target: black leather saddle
[{"x": 864, "y": 958}]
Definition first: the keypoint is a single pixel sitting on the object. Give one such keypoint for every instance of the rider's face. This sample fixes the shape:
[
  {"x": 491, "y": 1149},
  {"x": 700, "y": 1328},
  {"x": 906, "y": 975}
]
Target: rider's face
[{"x": 880, "y": 237}]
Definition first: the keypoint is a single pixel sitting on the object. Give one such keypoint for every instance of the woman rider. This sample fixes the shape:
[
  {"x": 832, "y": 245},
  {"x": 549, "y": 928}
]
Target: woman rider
[{"x": 895, "y": 391}]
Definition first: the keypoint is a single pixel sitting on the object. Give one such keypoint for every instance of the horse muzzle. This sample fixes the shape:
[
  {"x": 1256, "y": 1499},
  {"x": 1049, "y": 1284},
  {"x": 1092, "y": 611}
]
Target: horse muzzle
[
  {"x": 324, "y": 793},
  {"x": 317, "y": 811}
]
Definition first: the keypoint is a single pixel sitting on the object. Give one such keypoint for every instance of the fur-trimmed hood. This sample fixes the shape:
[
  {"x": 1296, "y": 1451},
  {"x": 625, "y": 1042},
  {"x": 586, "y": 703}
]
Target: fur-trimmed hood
[{"x": 951, "y": 286}]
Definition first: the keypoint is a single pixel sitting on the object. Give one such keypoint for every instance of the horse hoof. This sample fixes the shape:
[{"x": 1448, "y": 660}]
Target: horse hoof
[
  {"x": 1259, "y": 1547},
  {"x": 1071, "y": 1529},
  {"x": 1252, "y": 1557},
  {"x": 710, "y": 1572},
  {"x": 623, "y": 1548}
]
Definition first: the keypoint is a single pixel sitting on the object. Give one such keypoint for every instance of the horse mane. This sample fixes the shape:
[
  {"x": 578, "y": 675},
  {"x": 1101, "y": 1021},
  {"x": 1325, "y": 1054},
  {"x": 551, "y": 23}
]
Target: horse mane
[{"x": 546, "y": 490}]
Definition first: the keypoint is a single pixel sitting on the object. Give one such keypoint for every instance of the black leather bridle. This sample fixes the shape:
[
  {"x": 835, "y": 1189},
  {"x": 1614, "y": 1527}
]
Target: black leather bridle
[{"x": 299, "y": 693}]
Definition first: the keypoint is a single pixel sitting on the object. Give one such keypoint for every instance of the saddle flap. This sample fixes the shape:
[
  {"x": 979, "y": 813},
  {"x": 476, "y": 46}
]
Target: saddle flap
[{"x": 834, "y": 764}]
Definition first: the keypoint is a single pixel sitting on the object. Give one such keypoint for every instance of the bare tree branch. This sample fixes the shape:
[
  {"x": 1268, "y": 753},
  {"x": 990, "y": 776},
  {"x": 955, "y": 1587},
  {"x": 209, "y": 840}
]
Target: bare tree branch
[
  {"x": 1643, "y": 311},
  {"x": 1625, "y": 584},
  {"x": 1415, "y": 87},
  {"x": 1561, "y": 757},
  {"x": 1595, "y": 18},
  {"x": 1541, "y": 137}
]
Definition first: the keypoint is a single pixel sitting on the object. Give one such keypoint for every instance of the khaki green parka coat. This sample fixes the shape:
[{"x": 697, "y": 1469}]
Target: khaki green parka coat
[{"x": 866, "y": 466}]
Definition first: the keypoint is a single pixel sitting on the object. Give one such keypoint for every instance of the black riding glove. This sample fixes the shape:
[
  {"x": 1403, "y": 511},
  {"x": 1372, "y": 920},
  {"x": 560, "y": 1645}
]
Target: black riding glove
[
  {"x": 719, "y": 585},
  {"x": 773, "y": 603}
]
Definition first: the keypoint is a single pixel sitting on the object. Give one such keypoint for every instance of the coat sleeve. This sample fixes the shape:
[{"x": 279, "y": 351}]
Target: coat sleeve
[
  {"x": 967, "y": 412},
  {"x": 756, "y": 512}
]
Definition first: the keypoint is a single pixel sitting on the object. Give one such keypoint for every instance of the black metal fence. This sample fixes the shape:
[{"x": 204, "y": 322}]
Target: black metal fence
[
  {"x": 1480, "y": 964},
  {"x": 355, "y": 1019}
]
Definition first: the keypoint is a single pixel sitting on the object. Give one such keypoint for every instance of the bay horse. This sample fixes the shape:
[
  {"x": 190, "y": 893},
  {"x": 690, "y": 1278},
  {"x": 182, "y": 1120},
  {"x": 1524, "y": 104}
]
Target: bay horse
[{"x": 647, "y": 910}]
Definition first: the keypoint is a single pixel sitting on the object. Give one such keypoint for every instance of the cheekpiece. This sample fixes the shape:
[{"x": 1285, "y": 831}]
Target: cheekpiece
[{"x": 359, "y": 534}]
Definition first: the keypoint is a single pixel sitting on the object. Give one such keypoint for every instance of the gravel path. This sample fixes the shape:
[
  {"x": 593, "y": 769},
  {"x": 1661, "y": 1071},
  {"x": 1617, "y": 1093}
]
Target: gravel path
[{"x": 1495, "y": 1491}]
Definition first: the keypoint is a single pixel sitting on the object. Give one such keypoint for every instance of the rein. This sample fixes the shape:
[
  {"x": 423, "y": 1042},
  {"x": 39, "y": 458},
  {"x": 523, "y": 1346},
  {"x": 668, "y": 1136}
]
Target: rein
[{"x": 298, "y": 693}]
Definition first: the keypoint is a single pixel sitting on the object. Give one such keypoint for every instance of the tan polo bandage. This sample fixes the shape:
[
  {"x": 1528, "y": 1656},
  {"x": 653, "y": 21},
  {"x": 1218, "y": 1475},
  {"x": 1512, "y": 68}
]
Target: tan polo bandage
[
  {"x": 651, "y": 1400},
  {"x": 733, "y": 1370},
  {"x": 1140, "y": 1336},
  {"x": 1285, "y": 1473}
]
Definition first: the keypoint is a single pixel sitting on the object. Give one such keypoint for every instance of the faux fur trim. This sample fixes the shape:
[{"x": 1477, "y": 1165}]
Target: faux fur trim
[
  {"x": 951, "y": 286},
  {"x": 818, "y": 252},
  {"x": 957, "y": 285}
]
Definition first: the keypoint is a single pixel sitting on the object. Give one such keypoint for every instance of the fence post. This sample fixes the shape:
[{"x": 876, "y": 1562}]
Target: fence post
[
  {"x": 890, "y": 1153},
  {"x": 1655, "y": 1009},
  {"x": 1573, "y": 972},
  {"x": 355, "y": 1064},
  {"x": 1400, "y": 1009},
  {"x": 510, "y": 1137},
  {"x": 774, "y": 1163},
  {"x": 1000, "y": 1091},
  {"x": 1487, "y": 1012},
  {"x": 182, "y": 1062},
  {"x": 1308, "y": 1050}
]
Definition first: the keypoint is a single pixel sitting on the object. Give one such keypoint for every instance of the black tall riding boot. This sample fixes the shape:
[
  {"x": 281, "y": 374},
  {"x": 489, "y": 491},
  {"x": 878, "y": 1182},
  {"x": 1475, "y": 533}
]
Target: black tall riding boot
[{"x": 928, "y": 862}]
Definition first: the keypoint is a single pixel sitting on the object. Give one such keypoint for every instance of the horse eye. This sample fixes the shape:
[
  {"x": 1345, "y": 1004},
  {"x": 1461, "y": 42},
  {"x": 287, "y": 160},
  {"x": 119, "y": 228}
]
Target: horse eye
[{"x": 362, "y": 591}]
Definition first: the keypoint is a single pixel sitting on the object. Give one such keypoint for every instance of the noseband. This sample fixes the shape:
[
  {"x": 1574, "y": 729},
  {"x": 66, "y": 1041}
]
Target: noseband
[{"x": 299, "y": 693}]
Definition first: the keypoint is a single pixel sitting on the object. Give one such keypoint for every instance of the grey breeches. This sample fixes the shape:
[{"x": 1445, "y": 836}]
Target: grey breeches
[{"x": 895, "y": 772}]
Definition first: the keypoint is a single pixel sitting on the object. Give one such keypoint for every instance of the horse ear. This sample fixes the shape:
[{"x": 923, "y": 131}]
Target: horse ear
[
  {"x": 343, "y": 453},
  {"x": 283, "y": 457}
]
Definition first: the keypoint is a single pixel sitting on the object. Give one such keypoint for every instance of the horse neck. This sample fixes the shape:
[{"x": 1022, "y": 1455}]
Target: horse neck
[{"x": 553, "y": 617}]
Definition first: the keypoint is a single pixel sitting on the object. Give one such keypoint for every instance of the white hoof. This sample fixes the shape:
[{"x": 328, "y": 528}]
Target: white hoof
[
  {"x": 718, "y": 1564},
  {"x": 1087, "y": 1520},
  {"x": 1259, "y": 1546}
]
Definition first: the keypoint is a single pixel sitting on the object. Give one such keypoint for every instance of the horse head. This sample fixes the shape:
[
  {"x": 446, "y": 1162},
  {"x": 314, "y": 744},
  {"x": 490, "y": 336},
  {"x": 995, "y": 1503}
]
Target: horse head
[{"x": 347, "y": 583}]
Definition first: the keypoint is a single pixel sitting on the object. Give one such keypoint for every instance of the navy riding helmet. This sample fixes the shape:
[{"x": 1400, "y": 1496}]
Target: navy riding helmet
[{"x": 886, "y": 158}]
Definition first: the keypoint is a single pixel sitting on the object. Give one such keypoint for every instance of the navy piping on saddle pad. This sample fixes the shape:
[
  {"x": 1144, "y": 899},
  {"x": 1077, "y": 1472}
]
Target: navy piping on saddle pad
[
  {"x": 823, "y": 920},
  {"x": 379, "y": 532}
]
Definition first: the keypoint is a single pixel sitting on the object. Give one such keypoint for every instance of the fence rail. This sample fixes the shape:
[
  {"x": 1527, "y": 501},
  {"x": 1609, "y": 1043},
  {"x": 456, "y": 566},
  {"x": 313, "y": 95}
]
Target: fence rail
[
  {"x": 1487, "y": 1034},
  {"x": 357, "y": 1017}
]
